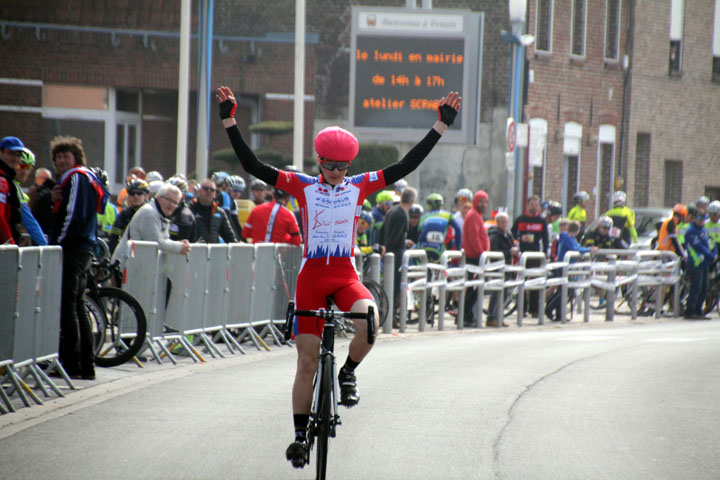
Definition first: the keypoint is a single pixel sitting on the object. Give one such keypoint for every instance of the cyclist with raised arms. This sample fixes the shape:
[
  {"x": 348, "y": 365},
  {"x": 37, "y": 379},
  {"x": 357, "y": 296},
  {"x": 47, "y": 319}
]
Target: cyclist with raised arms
[{"x": 330, "y": 204}]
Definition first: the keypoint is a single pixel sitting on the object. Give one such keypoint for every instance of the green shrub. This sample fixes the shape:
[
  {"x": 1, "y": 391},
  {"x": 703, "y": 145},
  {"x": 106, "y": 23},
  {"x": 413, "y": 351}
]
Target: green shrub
[
  {"x": 272, "y": 127},
  {"x": 373, "y": 157}
]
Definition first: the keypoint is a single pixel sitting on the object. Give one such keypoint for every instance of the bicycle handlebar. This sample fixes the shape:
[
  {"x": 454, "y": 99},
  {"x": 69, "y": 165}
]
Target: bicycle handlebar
[{"x": 330, "y": 314}]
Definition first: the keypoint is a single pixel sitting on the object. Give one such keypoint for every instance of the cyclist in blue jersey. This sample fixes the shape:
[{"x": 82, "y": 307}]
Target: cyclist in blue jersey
[{"x": 434, "y": 227}]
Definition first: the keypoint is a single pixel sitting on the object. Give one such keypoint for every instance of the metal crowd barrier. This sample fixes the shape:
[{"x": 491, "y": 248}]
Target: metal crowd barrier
[
  {"x": 29, "y": 322},
  {"x": 217, "y": 293}
]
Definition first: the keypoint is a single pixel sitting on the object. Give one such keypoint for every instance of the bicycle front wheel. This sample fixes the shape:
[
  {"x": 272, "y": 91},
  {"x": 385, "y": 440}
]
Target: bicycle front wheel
[
  {"x": 323, "y": 419},
  {"x": 125, "y": 327}
]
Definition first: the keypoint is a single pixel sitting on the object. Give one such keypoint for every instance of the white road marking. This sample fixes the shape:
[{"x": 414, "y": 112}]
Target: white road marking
[
  {"x": 586, "y": 338},
  {"x": 676, "y": 339}
]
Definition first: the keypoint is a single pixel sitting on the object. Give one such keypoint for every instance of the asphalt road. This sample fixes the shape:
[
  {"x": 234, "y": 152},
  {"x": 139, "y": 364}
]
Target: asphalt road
[{"x": 595, "y": 402}]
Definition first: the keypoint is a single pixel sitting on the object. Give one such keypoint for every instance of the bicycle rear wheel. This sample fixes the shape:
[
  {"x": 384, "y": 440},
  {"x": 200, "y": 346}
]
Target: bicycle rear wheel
[
  {"x": 125, "y": 327},
  {"x": 323, "y": 417},
  {"x": 96, "y": 314}
]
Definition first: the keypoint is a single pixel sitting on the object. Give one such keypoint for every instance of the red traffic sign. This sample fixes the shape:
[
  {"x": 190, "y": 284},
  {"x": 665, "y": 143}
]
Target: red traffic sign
[{"x": 511, "y": 134}]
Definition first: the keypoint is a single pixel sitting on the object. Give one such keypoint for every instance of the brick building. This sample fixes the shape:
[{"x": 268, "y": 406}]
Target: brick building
[
  {"x": 673, "y": 146},
  {"x": 623, "y": 110},
  {"x": 577, "y": 93},
  {"x": 107, "y": 72}
]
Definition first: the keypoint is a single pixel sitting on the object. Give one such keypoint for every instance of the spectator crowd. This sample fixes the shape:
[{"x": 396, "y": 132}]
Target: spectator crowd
[{"x": 72, "y": 207}]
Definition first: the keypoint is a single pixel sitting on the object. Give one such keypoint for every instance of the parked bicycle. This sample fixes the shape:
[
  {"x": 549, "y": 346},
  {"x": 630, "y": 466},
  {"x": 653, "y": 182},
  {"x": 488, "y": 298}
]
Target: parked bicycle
[
  {"x": 324, "y": 416},
  {"x": 118, "y": 320}
]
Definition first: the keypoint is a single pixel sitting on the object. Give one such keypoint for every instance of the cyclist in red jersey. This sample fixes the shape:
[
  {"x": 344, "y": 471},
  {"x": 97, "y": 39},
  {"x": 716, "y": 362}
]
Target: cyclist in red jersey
[{"x": 330, "y": 205}]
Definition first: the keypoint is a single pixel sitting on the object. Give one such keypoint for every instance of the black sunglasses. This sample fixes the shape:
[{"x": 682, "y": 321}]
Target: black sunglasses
[
  {"x": 208, "y": 189},
  {"x": 136, "y": 193},
  {"x": 340, "y": 166}
]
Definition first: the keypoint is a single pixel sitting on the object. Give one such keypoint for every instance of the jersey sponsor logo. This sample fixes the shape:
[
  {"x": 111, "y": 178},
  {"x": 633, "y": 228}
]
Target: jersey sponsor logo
[
  {"x": 373, "y": 176},
  {"x": 529, "y": 227},
  {"x": 4, "y": 185},
  {"x": 3, "y": 198}
]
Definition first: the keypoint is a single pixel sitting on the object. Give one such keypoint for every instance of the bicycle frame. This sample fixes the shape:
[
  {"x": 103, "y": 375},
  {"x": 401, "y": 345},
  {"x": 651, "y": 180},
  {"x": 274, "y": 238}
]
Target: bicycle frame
[{"x": 326, "y": 359}]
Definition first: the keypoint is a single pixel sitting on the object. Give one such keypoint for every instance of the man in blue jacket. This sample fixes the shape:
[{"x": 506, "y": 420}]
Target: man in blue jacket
[
  {"x": 699, "y": 258},
  {"x": 78, "y": 197}
]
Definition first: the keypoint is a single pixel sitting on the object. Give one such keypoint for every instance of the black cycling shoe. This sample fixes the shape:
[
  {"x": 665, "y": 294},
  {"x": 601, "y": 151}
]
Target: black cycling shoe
[
  {"x": 297, "y": 453},
  {"x": 348, "y": 389}
]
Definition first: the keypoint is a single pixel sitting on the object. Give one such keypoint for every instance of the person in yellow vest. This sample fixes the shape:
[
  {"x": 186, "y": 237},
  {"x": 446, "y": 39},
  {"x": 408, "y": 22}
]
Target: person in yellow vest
[
  {"x": 623, "y": 218},
  {"x": 668, "y": 235},
  {"x": 713, "y": 223},
  {"x": 579, "y": 212}
]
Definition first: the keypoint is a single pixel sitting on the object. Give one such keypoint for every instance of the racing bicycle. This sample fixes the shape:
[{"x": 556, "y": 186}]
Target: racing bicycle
[{"x": 324, "y": 416}]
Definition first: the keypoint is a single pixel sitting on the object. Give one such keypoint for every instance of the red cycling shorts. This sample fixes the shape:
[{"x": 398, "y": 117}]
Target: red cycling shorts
[{"x": 318, "y": 280}]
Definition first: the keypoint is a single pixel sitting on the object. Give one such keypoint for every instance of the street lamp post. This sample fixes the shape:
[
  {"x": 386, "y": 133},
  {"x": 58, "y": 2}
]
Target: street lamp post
[{"x": 518, "y": 40}]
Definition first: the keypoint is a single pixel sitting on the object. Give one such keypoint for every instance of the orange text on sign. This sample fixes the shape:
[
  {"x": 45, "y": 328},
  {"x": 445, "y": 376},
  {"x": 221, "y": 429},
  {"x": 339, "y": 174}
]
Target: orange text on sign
[
  {"x": 386, "y": 103},
  {"x": 398, "y": 57}
]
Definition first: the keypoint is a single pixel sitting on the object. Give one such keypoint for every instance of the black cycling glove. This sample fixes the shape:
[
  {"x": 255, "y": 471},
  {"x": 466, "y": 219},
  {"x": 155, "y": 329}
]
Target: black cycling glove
[
  {"x": 227, "y": 109},
  {"x": 446, "y": 114}
]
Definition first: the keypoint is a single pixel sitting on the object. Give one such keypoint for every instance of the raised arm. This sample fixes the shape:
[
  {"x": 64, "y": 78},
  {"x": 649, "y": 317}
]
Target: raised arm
[
  {"x": 448, "y": 108},
  {"x": 249, "y": 161}
]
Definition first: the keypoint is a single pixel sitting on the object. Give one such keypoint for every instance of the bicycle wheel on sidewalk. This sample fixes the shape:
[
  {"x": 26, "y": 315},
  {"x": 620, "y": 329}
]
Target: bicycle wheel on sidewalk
[{"x": 124, "y": 329}]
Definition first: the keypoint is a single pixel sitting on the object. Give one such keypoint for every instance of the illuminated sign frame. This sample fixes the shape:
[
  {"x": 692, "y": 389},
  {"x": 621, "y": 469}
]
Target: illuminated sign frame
[{"x": 401, "y": 59}]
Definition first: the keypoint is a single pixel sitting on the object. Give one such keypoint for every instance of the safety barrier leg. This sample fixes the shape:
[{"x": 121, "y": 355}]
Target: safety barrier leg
[
  {"x": 563, "y": 302},
  {"x": 165, "y": 351},
  {"x": 32, "y": 370},
  {"x": 46, "y": 380},
  {"x": 610, "y": 298},
  {"x": 6, "y": 400},
  {"x": 54, "y": 363},
  {"x": 247, "y": 331},
  {"x": 676, "y": 298},
  {"x": 500, "y": 308},
  {"x": 586, "y": 302},
  {"x": 403, "y": 298},
  {"x": 541, "y": 307},
  {"x": 441, "y": 308},
  {"x": 423, "y": 310},
  {"x": 659, "y": 292},
  {"x": 149, "y": 340},
  {"x": 19, "y": 386},
  {"x": 211, "y": 347},
  {"x": 479, "y": 305},
  {"x": 520, "y": 304},
  {"x": 230, "y": 341},
  {"x": 27, "y": 371},
  {"x": 461, "y": 308},
  {"x": 634, "y": 298},
  {"x": 389, "y": 287}
]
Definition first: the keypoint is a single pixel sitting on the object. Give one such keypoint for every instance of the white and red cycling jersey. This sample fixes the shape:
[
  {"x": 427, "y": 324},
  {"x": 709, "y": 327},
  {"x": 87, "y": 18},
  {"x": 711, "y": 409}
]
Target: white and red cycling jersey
[{"x": 330, "y": 214}]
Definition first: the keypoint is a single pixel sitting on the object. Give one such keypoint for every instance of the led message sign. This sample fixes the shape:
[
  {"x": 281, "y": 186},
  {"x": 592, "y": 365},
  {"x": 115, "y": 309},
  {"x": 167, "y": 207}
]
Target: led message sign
[{"x": 403, "y": 61}]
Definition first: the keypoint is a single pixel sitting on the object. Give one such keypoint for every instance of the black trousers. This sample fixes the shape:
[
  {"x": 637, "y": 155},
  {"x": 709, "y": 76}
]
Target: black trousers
[
  {"x": 74, "y": 321},
  {"x": 470, "y": 297}
]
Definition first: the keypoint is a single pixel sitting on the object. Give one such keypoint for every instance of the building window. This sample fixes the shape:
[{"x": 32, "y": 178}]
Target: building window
[
  {"x": 571, "y": 173},
  {"x": 106, "y": 120},
  {"x": 577, "y": 37},
  {"x": 642, "y": 170},
  {"x": 536, "y": 154},
  {"x": 606, "y": 174},
  {"x": 606, "y": 167},
  {"x": 713, "y": 193},
  {"x": 612, "y": 29},
  {"x": 543, "y": 25},
  {"x": 677, "y": 14},
  {"x": 673, "y": 182}
]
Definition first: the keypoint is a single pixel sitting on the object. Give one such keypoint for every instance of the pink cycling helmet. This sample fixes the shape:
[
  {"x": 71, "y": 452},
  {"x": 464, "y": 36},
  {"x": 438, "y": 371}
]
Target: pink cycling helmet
[{"x": 335, "y": 143}]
